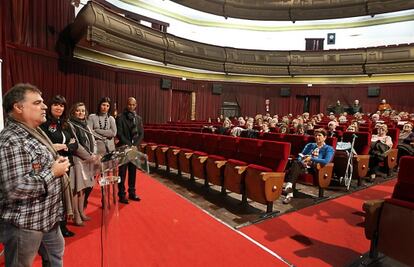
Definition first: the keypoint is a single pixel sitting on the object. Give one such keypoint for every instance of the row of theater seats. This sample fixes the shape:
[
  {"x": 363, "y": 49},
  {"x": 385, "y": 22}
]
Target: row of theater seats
[
  {"x": 251, "y": 167},
  {"x": 362, "y": 147},
  {"x": 233, "y": 163}
]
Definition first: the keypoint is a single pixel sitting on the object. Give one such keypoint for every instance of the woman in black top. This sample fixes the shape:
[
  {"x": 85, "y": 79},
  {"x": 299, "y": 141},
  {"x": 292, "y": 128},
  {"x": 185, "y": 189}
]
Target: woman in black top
[{"x": 61, "y": 136}]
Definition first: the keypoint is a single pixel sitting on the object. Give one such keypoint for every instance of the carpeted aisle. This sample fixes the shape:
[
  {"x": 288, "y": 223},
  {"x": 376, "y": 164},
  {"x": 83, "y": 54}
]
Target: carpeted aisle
[
  {"x": 328, "y": 234},
  {"x": 161, "y": 230}
]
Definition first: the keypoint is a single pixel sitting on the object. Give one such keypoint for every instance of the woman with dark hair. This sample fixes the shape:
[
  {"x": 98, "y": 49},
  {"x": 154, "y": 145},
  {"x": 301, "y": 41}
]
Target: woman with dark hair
[
  {"x": 104, "y": 125},
  {"x": 313, "y": 154},
  {"x": 81, "y": 180},
  {"x": 62, "y": 137}
]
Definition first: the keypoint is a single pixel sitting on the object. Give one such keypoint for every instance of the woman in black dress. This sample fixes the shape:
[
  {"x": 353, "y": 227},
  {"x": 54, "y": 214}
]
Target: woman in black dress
[{"x": 61, "y": 136}]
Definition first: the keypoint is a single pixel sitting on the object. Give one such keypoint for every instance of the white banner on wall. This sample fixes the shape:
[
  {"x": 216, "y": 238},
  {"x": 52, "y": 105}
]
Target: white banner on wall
[{"x": 1, "y": 99}]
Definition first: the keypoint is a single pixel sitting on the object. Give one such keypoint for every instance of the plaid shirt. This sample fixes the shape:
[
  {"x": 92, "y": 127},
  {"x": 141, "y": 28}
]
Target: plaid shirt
[{"x": 30, "y": 196}]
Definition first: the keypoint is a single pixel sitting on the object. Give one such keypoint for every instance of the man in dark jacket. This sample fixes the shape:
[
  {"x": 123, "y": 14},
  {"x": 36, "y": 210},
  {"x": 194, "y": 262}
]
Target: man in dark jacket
[{"x": 130, "y": 132}]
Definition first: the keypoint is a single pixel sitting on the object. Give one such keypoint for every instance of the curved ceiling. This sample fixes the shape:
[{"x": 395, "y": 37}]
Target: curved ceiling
[{"x": 296, "y": 10}]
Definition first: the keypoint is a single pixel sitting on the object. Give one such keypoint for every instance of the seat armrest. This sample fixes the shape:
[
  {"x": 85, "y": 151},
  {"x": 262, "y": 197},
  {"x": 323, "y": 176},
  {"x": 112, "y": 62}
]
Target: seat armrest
[
  {"x": 372, "y": 210},
  {"x": 273, "y": 184},
  {"x": 240, "y": 169},
  {"x": 220, "y": 163},
  {"x": 202, "y": 159},
  {"x": 324, "y": 174}
]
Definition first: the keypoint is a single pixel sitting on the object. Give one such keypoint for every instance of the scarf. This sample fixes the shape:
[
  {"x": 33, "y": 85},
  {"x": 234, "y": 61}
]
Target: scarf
[
  {"x": 132, "y": 122},
  {"x": 84, "y": 136},
  {"x": 65, "y": 182}
]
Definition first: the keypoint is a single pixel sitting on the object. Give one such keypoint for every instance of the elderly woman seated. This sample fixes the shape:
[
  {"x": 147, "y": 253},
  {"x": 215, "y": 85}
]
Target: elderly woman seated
[
  {"x": 313, "y": 154},
  {"x": 406, "y": 141},
  {"x": 381, "y": 143}
]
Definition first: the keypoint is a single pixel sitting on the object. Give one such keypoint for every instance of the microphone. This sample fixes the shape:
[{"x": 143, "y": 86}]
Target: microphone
[{"x": 354, "y": 136}]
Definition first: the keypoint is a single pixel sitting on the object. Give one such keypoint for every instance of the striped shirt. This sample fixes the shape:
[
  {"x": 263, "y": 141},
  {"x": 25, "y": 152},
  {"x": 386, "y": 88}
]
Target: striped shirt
[{"x": 30, "y": 196}]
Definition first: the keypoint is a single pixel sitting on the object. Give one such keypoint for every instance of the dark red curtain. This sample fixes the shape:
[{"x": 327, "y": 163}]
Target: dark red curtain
[
  {"x": 37, "y": 23},
  {"x": 181, "y": 105}
]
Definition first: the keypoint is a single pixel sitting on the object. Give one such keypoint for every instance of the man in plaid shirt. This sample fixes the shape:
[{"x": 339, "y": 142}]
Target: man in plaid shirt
[{"x": 30, "y": 188}]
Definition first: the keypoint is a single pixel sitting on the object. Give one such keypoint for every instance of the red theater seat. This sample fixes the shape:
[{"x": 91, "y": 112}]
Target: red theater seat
[
  {"x": 182, "y": 144},
  {"x": 360, "y": 161},
  {"x": 215, "y": 164},
  {"x": 389, "y": 223},
  {"x": 195, "y": 142},
  {"x": 199, "y": 158},
  {"x": 248, "y": 152},
  {"x": 161, "y": 150},
  {"x": 264, "y": 182}
]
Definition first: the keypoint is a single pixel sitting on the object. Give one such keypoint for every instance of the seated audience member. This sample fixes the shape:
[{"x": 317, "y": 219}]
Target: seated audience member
[
  {"x": 384, "y": 106},
  {"x": 236, "y": 131},
  {"x": 407, "y": 146},
  {"x": 355, "y": 124},
  {"x": 338, "y": 108},
  {"x": 406, "y": 131},
  {"x": 309, "y": 128},
  {"x": 272, "y": 123},
  {"x": 375, "y": 117},
  {"x": 332, "y": 132},
  {"x": 284, "y": 129},
  {"x": 265, "y": 128},
  {"x": 241, "y": 121},
  {"x": 295, "y": 123},
  {"x": 355, "y": 108},
  {"x": 342, "y": 118},
  {"x": 285, "y": 120},
  {"x": 249, "y": 131},
  {"x": 312, "y": 155},
  {"x": 381, "y": 143},
  {"x": 259, "y": 120},
  {"x": 225, "y": 128},
  {"x": 351, "y": 128},
  {"x": 305, "y": 116},
  {"x": 300, "y": 130}
]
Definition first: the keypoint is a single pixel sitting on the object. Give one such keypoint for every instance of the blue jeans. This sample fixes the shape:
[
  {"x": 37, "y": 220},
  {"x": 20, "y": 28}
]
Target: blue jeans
[{"x": 21, "y": 246}]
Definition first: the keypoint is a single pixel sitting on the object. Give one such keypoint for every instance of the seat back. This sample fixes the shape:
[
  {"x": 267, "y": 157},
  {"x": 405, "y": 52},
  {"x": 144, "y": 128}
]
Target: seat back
[
  {"x": 274, "y": 155},
  {"x": 183, "y": 139},
  {"x": 297, "y": 143},
  {"x": 149, "y": 135},
  {"x": 273, "y": 137},
  {"x": 362, "y": 142},
  {"x": 211, "y": 143},
  {"x": 196, "y": 141},
  {"x": 404, "y": 189},
  {"x": 227, "y": 147},
  {"x": 248, "y": 150}
]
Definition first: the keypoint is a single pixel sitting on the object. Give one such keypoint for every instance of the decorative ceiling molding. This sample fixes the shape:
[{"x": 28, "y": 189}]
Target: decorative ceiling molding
[
  {"x": 126, "y": 63},
  {"x": 254, "y": 26},
  {"x": 101, "y": 29},
  {"x": 296, "y": 10}
]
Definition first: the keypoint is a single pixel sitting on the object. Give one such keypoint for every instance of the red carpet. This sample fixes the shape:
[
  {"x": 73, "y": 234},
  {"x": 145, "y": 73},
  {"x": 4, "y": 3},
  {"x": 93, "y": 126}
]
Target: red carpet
[
  {"x": 328, "y": 234},
  {"x": 161, "y": 230}
]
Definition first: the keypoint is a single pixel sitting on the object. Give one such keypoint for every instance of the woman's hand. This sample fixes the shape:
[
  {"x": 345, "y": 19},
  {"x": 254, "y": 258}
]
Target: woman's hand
[{"x": 60, "y": 147}]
